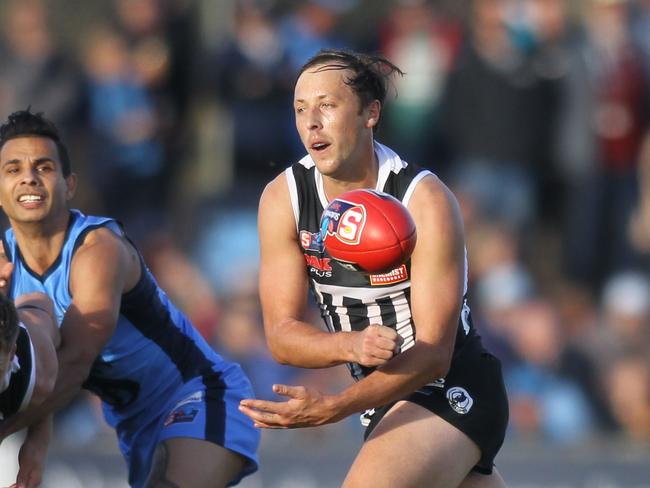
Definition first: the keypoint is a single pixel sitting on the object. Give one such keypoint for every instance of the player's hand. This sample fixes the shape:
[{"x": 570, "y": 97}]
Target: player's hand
[
  {"x": 31, "y": 460},
  {"x": 305, "y": 407},
  {"x": 375, "y": 345},
  {"x": 6, "y": 268}
]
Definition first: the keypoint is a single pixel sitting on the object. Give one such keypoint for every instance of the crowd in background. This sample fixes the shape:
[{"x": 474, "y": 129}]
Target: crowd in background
[{"x": 535, "y": 112}]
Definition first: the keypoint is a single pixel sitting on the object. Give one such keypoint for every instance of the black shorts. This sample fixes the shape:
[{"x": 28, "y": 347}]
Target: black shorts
[{"x": 472, "y": 399}]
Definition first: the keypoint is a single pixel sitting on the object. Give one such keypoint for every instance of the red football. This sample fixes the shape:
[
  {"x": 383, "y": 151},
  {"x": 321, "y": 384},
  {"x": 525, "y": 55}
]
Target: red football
[{"x": 368, "y": 230}]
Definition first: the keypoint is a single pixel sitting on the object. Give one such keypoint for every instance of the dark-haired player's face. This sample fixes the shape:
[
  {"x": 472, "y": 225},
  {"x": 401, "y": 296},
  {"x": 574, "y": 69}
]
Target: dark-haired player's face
[
  {"x": 32, "y": 186},
  {"x": 332, "y": 126}
]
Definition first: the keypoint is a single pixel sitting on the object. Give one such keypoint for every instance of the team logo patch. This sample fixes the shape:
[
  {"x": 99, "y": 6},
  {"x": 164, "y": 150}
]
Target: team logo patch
[
  {"x": 396, "y": 276},
  {"x": 459, "y": 399},
  {"x": 344, "y": 220},
  {"x": 181, "y": 415},
  {"x": 195, "y": 397},
  {"x": 311, "y": 241}
]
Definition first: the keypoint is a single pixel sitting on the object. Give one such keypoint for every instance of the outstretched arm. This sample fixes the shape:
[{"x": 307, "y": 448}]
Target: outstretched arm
[
  {"x": 437, "y": 283},
  {"x": 283, "y": 293},
  {"x": 102, "y": 269},
  {"x": 36, "y": 313}
]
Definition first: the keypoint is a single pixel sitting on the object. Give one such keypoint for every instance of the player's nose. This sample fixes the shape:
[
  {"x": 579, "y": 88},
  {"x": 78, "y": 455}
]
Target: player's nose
[{"x": 313, "y": 120}]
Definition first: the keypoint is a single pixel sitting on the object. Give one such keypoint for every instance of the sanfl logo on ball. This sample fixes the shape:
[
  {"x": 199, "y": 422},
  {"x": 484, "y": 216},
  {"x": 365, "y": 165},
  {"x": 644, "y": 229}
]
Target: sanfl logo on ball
[
  {"x": 459, "y": 399},
  {"x": 351, "y": 225}
]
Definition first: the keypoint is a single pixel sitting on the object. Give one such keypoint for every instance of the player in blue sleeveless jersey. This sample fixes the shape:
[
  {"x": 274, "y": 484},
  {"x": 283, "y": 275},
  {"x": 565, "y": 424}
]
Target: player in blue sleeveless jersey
[
  {"x": 172, "y": 400},
  {"x": 435, "y": 403}
]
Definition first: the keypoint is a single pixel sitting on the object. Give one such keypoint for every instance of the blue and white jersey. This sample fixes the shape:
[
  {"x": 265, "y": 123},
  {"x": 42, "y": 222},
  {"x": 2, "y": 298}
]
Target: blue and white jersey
[{"x": 154, "y": 349}]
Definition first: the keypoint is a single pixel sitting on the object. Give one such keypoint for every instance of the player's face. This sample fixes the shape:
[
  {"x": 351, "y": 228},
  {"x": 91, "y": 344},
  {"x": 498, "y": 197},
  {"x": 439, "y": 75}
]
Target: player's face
[
  {"x": 333, "y": 127},
  {"x": 32, "y": 186}
]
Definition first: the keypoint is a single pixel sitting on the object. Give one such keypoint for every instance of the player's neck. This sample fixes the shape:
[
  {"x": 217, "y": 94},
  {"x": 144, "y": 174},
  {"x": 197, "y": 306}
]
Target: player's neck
[
  {"x": 364, "y": 174},
  {"x": 40, "y": 243}
]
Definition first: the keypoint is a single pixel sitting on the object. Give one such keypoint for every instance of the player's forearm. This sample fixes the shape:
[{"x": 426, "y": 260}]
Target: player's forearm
[
  {"x": 40, "y": 432},
  {"x": 68, "y": 385},
  {"x": 402, "y": 375},
  {"x": 300, "y": 344}
]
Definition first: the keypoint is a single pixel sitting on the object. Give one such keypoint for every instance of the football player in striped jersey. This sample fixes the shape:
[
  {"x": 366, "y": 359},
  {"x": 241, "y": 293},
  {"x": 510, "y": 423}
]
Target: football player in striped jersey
[{"x": 434, "y": 400}]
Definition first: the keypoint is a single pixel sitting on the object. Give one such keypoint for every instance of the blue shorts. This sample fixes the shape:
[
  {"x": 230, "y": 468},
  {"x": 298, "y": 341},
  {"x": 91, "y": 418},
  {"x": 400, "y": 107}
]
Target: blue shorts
[{"x": 198, "y": 412}]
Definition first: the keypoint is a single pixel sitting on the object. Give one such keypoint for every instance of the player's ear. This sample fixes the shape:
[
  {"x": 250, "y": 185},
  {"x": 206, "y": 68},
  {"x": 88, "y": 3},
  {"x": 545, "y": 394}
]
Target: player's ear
[
  {"x": 70, "y": 186},
  {"x": 374, "y": 112}
]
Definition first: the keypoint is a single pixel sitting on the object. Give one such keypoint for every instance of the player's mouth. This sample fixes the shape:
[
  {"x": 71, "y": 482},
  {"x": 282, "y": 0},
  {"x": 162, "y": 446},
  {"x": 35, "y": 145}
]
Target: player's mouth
[
  {"x": 30, "y": 200},
  {"x": 320, "y": 146}
]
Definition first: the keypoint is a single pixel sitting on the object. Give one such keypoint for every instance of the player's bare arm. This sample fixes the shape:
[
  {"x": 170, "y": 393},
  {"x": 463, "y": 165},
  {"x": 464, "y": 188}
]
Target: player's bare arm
[
  {"x": 437, "y": 274},
  {"x": 103, "y": 268},
  {"x": 36, "y": 313},
  {"x": 283, "y": 291}
]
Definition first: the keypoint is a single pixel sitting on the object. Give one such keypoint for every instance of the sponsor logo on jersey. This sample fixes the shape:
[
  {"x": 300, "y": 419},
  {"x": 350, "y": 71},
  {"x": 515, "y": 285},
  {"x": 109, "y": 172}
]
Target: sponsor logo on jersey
[
  {"x": 344, "y": 220},
  {"x": 459, "y": 399},
  {"x": 311, "y": 241},
  {"x": 396, "y": 276},
  {"x": 320, "y": 264},
  {"x": 181, "y": 415},
  {"x": 195, "y": 397}
]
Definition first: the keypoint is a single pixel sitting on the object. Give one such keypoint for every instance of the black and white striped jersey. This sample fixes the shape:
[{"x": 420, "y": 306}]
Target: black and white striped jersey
[
  {"x": 20, "y": 379},
  {"x": 351, "y": 300}
]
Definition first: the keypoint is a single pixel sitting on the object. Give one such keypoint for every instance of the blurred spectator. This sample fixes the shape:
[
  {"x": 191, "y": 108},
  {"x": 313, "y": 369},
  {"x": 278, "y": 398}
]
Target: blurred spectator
[
  {"x": 640, "y": 29},
  {"x": 126, "y": 153},
  {"x": 34, "y": 70},
  {"x": 309, "y": 27},
  {"x": 496, "y": 113},
  {"x": 625, "y": 314},
  {"x": 423, "y": 43},
  {"x": 628, "y": 386},
  {"x": 159, "y": 36},
  {"x": 639, "y": 229},
  {"x": 543, "y": 401},
  {"x": 254, "y": 81},
  {"x": 602, "y": 125}
]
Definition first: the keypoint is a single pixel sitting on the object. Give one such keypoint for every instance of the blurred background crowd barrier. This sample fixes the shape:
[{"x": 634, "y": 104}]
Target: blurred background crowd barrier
[{"x": 535, "y": 112}]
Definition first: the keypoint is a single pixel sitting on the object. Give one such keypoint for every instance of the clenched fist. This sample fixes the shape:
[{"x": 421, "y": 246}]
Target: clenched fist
[{"x": 375, "y": 345}]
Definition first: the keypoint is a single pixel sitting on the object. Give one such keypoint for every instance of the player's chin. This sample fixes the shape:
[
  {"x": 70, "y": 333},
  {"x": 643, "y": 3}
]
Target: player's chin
[{"x": 326, "y": 165}]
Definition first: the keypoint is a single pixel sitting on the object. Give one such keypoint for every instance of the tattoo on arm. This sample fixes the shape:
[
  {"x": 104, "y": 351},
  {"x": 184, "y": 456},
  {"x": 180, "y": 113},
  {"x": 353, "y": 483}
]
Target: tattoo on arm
[{"x": 158, "y": 474}]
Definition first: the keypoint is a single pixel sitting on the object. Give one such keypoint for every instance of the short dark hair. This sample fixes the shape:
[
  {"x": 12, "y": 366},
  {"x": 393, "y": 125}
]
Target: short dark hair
[
  {"x": 25, "y": 123},
  {"x": 371, "y": 71},
  {"x": 8, "y": 323}
]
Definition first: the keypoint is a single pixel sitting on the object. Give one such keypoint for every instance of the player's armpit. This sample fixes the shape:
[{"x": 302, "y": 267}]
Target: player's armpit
[{"x": 284, "y": 287}]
